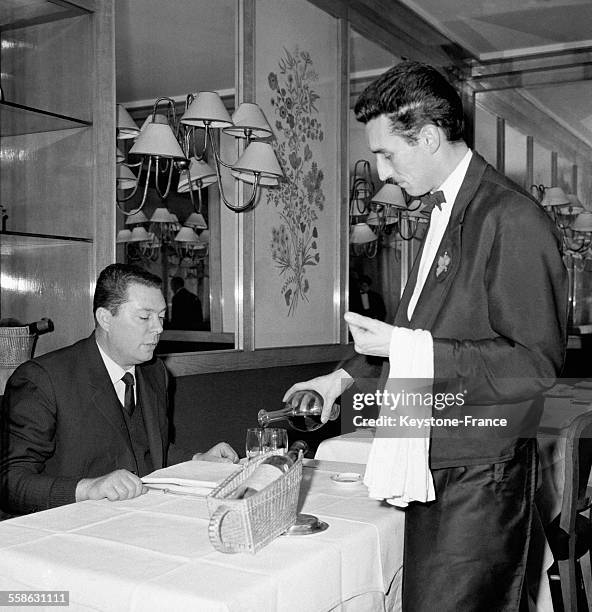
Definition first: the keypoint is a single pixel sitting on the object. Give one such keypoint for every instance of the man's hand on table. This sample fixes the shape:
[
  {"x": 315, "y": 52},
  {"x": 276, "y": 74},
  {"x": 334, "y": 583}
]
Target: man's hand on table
[
  {"x": 117, "y": 485},
  {"x": 221, "y": 453},
  {"x": 330, "y": 386},
  {"x": 371, "y": 336}
]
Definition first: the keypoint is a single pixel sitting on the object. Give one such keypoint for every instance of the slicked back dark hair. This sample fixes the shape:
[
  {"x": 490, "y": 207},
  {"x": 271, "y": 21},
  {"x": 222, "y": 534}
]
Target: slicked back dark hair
[
  {"x": 412, "y": 95},
  {"x": 113, "y": 283}
]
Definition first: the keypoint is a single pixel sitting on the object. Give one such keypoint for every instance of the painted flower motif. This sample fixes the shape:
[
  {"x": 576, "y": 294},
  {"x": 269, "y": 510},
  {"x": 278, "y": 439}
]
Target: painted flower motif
[{"x": 299, "y": 199}]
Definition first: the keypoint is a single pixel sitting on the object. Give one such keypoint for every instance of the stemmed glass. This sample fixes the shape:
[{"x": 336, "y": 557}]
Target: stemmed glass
[
  {"x": 275, "y": 439},
  {"x": 254, "y": 442}
]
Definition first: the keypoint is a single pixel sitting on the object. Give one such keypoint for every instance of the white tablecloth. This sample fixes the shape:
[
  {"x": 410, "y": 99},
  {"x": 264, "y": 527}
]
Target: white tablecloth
[
  {"x": 558, "y": 414},
  {"x": 153, "y": 553}
]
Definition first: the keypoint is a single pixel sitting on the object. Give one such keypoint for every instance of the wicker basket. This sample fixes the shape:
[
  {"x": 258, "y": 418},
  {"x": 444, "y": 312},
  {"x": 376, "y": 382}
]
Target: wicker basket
[
  {"x": 247, "y": 525},
  {"x": 16, "y": 346}
]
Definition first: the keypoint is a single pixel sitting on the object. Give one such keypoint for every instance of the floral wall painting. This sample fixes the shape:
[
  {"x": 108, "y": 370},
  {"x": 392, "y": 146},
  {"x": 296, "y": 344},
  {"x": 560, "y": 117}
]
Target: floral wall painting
[
  {"x": 300, "y": 198},
  {"x": 297, "y": 243}
]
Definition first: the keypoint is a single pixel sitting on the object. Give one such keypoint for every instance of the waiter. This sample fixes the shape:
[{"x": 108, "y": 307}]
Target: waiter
[{"x": 490, "y": 287}]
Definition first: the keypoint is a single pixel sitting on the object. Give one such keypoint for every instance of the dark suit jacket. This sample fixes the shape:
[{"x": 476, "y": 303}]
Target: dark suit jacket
[
  {"x": 62, "y": 421},
  {"x": 495, "y": 301},
  {"x": 376, "y": 309},
  {"x": 186, "y": 310}
]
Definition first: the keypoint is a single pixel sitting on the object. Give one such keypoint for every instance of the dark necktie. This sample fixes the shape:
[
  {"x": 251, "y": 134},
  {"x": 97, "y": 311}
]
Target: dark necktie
[
  {"x": 429, "y": 200},
  {"x": 129, "y": 402}
]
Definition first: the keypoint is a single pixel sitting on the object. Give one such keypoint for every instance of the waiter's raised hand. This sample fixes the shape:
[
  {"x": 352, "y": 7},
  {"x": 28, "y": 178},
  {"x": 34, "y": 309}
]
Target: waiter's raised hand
[
  {"x": 330, "y": 387},
  {"x": 371, "y": 336}
]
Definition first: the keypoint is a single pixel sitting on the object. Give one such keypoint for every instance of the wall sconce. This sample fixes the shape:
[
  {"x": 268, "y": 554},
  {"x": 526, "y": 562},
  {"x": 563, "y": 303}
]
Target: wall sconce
[
  {"x": 390, "y": 197},
  {"x": 165, "y": 141},
  {"x": 569, "y": 216},
  {"x": 363, "y": 241}
]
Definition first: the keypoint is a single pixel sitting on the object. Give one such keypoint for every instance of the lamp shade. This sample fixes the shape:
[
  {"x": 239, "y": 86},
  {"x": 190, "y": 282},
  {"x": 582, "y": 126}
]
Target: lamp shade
[
  {"x": 258, "y": 157},
  {"x": 139, "y": 234},
  {"x": 126, "y": 126},
  {"x": 201, "y": 174},
  {"x": 204, "y": 237},
  {"x": 157, "y": 139},
  {"x": 196, "y": 221},
  {"x": 207, "y": 108},
  {"x": 124, "y": 177},
  {"x": 583, "y": 222},
  {"x": 361, "y": 234},
  {"x": 119, "y": 156},
  {"x": 136, "y": 218},
  {"x": 554, "y": 196},
  {"x": 248, "y": 119},
  {"x": 187, "y": 235},
  {"x": 390, "y": 194},
  {"x": 573, "y": 208},
  {"x": 162, "y": 215},
  {"x": 124, "y": 235},
  {"x": 156, "y": 118}
]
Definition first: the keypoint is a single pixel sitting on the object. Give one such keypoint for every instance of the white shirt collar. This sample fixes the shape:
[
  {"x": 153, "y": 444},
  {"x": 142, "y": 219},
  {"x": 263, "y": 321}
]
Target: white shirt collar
[
  {"x": 114, "y": 370},
  {"x": 451, "y": 186}
]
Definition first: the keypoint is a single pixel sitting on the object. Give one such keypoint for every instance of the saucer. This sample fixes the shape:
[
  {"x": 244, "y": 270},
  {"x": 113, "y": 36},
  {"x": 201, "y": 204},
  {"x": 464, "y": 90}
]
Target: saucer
[
  {"x": 347, "y": 478},
  {"x": 306, "y": 524}
]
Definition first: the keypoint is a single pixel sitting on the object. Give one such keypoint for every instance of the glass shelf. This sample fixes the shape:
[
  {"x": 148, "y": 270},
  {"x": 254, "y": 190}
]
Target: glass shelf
[
  {"x": 16, "y": 14},
  {"x": 30, "y": 237},
  {"x": 16, "y": 119}
]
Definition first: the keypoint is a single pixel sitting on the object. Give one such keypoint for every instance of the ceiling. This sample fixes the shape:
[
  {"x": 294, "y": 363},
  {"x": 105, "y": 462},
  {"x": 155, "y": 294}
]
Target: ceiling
[
  {"x": 172, "y": 48},
  {"x": 515, "y": 29}
]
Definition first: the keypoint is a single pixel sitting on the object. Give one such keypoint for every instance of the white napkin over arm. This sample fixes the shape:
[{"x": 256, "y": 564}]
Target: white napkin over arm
[{"x": 398, "y": 465}]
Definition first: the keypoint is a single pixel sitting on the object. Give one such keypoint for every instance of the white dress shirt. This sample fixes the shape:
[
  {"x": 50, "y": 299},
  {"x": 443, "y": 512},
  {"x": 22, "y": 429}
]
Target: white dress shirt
[
  {"x": 438, "y": 222},
  {"x": 116, "y": 372}
]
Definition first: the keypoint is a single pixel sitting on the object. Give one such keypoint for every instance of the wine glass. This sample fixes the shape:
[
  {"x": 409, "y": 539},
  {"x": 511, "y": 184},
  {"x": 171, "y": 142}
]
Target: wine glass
[
  {"x": 275, "y": 439},
  {"x": 254, "y": 442}
]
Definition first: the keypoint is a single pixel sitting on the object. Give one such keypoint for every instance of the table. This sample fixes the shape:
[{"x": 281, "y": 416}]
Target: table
[
  {"x": 558, "y": 413},
  {"x": 153, "y": 553}
]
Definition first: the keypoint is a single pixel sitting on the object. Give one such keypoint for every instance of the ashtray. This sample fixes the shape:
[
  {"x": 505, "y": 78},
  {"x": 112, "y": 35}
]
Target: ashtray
[
  {"x": 347, "y": 478},
  {"x": 306, "y": 524}
]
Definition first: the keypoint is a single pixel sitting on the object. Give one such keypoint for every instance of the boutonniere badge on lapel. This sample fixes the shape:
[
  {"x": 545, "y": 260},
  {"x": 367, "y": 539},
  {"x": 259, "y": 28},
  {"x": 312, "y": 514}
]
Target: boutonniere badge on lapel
[{"x": 443, "y": 264}]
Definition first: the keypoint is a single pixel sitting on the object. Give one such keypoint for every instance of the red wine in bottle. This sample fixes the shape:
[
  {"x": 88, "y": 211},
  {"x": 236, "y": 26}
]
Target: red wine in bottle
[{"x": 302, "y": 410}]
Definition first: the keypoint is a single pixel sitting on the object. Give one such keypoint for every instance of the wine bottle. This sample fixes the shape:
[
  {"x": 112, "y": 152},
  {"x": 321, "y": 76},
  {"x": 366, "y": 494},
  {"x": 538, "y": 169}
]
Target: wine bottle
[
  {"x": 266, "y": 472},
  {"x": 38, "y": 328},
  {"x": 302, "y": 410}
]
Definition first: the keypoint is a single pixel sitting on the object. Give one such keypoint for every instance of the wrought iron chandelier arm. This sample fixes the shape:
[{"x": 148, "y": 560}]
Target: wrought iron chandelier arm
[
  {"x": 413, "y": 233},
  {"x": 136, "y": 210},
  {"x": 162, "y": 195},
  {"x": 249, "y": 202}
]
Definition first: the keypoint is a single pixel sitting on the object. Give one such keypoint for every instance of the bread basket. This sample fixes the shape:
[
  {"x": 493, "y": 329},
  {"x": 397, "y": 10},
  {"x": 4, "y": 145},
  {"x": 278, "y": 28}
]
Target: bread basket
[{"x": 249, "y": 524}]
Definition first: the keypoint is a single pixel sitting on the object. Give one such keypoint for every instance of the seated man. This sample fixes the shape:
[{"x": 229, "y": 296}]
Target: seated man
[{"x": 89, "y": 420}]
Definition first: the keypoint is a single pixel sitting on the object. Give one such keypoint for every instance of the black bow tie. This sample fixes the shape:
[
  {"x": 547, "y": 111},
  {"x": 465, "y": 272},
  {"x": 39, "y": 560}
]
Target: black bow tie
[{"x": 429, "y": 200}]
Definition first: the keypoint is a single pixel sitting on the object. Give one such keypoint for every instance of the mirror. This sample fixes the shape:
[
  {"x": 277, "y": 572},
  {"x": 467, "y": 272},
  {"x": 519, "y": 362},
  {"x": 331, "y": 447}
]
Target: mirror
[
  {"x": 375, "y": 269},
  {"x": 545, "y": 140},
  {"x": 165, "y": 50}
]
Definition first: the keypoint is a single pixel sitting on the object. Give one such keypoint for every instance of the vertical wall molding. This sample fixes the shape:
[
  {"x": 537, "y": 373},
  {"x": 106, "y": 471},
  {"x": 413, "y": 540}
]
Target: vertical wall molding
[
  {"x": 500, "y": 161},
  {"x": 245, "y": 88},
  {"x": 529, "y": 178},
  {"x": 342, "y": 221}
]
